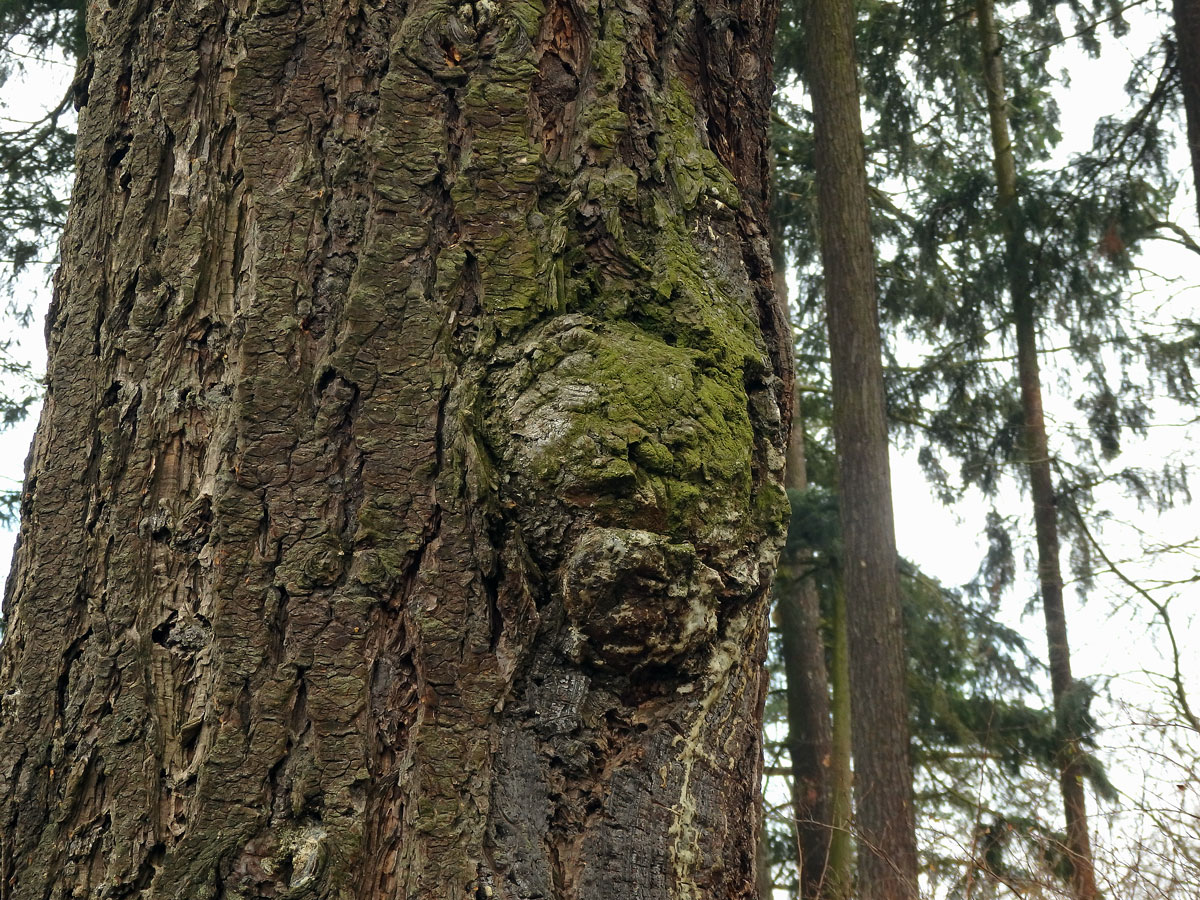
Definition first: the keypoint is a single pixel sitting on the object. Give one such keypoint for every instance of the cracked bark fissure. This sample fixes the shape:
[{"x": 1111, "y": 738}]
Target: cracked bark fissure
[{"x": 402, "y": 512}]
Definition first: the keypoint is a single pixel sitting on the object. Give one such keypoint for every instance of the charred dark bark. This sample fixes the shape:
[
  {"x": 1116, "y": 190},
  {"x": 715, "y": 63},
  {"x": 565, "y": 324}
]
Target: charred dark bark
[
  {"x": 887, "y": 859},
  {"x": 1037, "y": 450},
  {"x": 402, "y": 512}
]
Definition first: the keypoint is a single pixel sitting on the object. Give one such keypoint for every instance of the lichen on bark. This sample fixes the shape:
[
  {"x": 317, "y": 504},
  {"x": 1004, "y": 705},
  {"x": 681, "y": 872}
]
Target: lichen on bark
[{"x": 416, "y": 379}]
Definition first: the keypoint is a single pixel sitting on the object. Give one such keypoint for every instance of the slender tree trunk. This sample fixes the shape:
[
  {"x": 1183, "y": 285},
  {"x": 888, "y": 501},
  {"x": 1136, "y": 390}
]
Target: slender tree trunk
[
  {"x": 1038, "y": 452},
  {"x": 887, "y": 863},
  {"x": 763, "y": 876},
  {"x": 840, "y": 871},
  {"x": 1187, "y": 47},
  {"x": 402, "y": 513},
  {"x": 809, "y": 740}
]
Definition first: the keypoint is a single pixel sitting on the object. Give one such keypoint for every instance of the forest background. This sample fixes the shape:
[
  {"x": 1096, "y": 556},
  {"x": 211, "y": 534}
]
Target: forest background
[{"x": 1136, "y": 559}]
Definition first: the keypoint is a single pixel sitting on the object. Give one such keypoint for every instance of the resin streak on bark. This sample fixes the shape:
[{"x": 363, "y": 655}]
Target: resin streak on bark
[{"x": 401, "y": 516}]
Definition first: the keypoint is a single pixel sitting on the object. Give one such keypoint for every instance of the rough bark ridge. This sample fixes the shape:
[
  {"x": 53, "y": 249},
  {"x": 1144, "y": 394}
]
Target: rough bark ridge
[
  {"x": 885, "y": 815},
  {"x": 401, "y": 516},
  {"x": 1037, "y": 448}
]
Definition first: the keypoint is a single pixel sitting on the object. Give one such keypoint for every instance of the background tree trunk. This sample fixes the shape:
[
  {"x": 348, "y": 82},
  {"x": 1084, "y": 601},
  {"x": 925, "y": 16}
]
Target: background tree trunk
[
  {"x": 1186, "y": 15},
  {"x": 887, "y": 859},
  {"x": 401, "y": 516},
  {"x": 840, "y": 869},
  {"x": 1037, "y": 449},
  {"x": 809, "y": 738}
]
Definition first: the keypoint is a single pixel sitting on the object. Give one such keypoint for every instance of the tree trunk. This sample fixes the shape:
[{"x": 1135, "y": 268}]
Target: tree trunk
[
  {"x": 1037, "y": 449},
  {"x": 809, "y": 740},
  {"x": 1187, "y": 48},
  {"x": 887, "y": 863},
  {"x": 840, "y": 870},
  {"x": 763, "y": 877},
  {"x": 401, "y": 517}
]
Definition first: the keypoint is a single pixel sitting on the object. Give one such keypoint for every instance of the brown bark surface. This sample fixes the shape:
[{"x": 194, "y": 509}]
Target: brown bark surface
[
  {"x": 401, "y": 516},
  {"x": 1037, "y": 450},
  {"x": 887, "y": 859}
]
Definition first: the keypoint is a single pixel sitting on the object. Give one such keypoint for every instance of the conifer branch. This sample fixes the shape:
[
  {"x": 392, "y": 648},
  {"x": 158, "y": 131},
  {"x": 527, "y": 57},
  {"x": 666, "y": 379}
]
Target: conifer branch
[
  {"x": 1086, "y": 30},
  {"x": 1161, "y": 608},
  {"x": 1182, "y": 238}
]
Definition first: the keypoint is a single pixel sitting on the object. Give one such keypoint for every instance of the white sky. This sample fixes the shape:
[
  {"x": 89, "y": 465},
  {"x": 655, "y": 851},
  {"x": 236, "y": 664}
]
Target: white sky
[{"x": 23, "y": 99}]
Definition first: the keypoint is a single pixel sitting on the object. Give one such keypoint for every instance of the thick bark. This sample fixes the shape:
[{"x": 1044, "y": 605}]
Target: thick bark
[
  {"x": 887, "y": 862},
  {"x": 1187, "y": 46},
  {"x": 401, "y": 516},
  {"x": 1037, "y": 450},
  {"x": 809, "y": 738}
]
